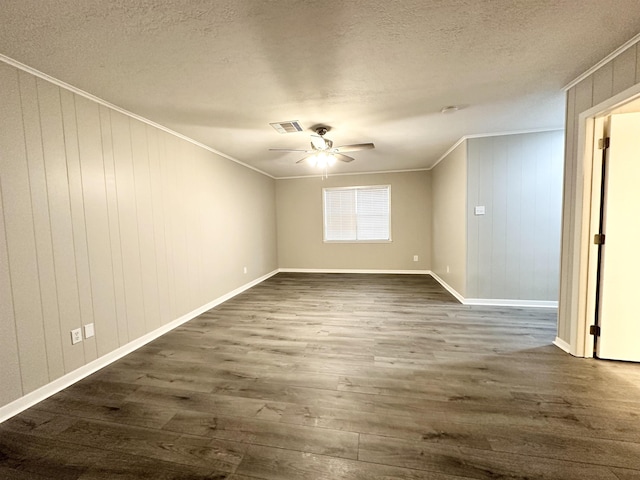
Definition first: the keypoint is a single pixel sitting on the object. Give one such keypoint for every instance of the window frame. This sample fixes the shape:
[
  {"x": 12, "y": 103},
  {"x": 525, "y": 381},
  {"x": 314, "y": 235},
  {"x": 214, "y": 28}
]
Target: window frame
[{"x": 354, "y": 188}]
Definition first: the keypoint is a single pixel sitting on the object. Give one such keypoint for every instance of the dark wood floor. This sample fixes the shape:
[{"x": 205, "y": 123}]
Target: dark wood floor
[{"x": 318, "y": 376}]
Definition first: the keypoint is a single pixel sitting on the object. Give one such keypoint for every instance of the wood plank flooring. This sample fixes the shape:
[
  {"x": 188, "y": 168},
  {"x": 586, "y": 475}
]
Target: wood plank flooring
[{"x": 321, "y": 376}]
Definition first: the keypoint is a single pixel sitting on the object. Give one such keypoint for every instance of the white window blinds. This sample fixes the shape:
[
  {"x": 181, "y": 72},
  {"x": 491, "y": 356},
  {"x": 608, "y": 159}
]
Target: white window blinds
[{"x": 355, "y": 214}]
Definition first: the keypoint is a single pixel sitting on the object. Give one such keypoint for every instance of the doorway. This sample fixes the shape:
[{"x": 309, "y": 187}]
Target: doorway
[{"x": 614, "y": 259}]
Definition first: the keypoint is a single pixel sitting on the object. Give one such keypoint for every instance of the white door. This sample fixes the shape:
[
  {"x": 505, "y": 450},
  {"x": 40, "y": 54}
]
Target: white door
[{"x": 620, "y": 275}]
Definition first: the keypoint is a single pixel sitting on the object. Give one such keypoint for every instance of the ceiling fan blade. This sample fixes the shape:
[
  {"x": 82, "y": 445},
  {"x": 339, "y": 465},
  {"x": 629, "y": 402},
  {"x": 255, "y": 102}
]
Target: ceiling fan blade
[
  {"x": 343, "y": 158},
  {"x": 289, "y": 150},
  {"x": 355, "y": 147},
  {"x": 318, "y": 142}
]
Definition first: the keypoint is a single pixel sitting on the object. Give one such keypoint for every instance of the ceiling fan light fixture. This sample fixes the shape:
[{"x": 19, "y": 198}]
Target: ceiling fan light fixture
[
  {"x": 323, "y": 154},
  {"x": 322, "y": 159}
]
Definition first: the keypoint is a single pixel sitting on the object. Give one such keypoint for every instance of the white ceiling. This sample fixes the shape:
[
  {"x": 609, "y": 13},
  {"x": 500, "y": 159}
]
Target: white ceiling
[{"x": 374, "y": 70}]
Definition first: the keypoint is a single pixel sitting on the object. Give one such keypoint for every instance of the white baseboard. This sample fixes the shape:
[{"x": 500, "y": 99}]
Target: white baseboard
[
  {"x": 562, "y": 345},
  {"x": 351, "y": 270},
  {"x": 70, "y": 378},
  {"x": 494, "y": 302},
  {"x": 500, "y": 302},
  {"x": 447, "y": 287}
]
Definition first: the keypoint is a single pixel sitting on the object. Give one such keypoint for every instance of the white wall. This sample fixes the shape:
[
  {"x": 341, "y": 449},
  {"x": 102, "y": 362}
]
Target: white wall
[
  {"x": 300, "y": 238},
  {"x": 449, "y": 220},
  {"x": 111, "y": 221}
]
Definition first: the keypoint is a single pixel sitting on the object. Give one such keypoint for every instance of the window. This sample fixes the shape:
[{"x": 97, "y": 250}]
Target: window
[{"x": 357, "y": 214}]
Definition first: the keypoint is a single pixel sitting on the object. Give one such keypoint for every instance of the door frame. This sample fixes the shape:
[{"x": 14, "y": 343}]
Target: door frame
[{"x": 587, "y": 209}]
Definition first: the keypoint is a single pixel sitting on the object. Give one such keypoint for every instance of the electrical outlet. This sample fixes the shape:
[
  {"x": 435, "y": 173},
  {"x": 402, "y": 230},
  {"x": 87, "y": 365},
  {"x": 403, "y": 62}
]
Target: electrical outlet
[
  {"x": 89, "y": 331},
  {"x": 244, "y": 269},
  {"x": 76, "y": 336},
  {"x": 415, "y": 258},
  {"x": 447, "y": 268}
]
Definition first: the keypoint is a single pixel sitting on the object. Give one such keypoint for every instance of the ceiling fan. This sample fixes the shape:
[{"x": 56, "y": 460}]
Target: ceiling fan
[{"x": 323, "y": 153}]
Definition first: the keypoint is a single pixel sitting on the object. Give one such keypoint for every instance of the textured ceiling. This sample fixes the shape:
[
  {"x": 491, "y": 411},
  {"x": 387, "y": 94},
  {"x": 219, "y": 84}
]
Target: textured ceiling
[{"x": 374, "y": 70}]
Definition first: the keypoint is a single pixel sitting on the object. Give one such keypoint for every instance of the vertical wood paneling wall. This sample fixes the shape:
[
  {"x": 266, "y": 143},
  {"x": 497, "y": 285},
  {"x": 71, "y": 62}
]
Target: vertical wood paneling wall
[
  {"x": 610, "y": 79},
  {"x": 513, "y": 250},
  {"x": 108, "y": 220}
]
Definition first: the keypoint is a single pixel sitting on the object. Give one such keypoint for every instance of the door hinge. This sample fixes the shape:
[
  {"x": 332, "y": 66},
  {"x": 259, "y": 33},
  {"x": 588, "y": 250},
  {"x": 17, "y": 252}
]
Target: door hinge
[
  {"x": 594, "y": 330},
  {"x": 598, "y": 239},
  {"x": 604, "y": 143}
]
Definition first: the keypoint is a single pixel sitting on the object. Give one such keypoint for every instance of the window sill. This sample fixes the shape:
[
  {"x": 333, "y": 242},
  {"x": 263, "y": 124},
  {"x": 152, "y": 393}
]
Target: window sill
[{"x": 356, "y": 241}]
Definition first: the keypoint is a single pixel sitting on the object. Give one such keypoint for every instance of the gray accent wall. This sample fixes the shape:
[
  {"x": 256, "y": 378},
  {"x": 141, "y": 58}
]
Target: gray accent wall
[
  {"x": 610, "y": 79},
  {"x": 108, "y": 220},
  {"x": 513, "y": 250},
  {"x": 300, "y": 238}
]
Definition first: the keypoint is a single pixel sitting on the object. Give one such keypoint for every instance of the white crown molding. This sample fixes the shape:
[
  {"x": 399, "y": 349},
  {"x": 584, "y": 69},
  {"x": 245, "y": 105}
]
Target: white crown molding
[
  {"x": 70, "y": 378},
  {"x": 441, "y": 158},
  {"x": 604, "y": 61},
  {"x": 376, "y": 172},
  {"x": 497, "y": 134},
  {"x": 514, "y": 132},
  {"x": 82, "y": 93},
  {"x": 451, "y": 149}
]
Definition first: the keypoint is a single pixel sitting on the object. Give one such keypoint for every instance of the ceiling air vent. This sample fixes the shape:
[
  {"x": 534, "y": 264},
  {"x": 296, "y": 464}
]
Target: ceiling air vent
[{"x": 287, "y": 127}]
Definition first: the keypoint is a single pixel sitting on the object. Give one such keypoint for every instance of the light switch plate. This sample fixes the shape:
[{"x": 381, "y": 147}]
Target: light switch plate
[
  {"x": 88, "y": 330},
  {"x": 479, "y": 210}
]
